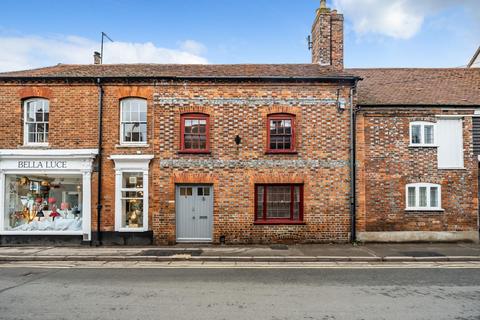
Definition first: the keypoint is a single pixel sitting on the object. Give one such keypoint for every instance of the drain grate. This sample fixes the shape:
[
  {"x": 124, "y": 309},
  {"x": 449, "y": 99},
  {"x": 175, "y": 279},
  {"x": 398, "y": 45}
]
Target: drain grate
[
  {"x": 422, "y": 254},
  {"x": 167, "y": 253}
]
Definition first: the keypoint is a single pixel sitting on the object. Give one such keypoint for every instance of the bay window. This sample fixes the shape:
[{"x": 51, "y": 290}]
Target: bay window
[{"x": 279, "y": 203}]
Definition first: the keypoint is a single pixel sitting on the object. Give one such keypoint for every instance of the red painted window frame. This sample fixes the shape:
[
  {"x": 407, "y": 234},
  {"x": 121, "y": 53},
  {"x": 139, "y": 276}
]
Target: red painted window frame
[
  {"x": 194, "y": 116},
  {"x": 281, "y": 116},
  {"x": 291, "y": 220}
]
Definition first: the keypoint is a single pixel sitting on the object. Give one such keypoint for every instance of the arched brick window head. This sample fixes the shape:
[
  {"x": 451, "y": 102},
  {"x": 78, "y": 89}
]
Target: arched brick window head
[
  {"x": 281, "y": 133},
  {"x": 195, "y": 133}
]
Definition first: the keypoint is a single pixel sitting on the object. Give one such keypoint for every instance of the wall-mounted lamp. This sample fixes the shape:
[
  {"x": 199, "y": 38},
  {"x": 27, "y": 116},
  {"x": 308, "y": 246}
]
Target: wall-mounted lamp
[{"x": 238, "y": 140}]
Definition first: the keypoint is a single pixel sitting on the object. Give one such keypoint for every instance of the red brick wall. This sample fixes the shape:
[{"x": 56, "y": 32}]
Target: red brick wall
[
  {"x": 322, "y": 138},
  {"x": 321, "y": 163},
  {"x": 386, "y": 164}
]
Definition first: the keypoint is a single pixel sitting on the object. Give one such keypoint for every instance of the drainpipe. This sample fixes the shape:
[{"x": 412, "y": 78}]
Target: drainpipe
[
  {"x": 353, "y": 201},
  {"x": 99, "y": 180}
]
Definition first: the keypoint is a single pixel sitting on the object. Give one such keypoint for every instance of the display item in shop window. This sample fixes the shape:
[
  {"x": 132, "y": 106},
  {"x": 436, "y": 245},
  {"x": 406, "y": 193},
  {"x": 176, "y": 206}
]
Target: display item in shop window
[
  {"x": 76, "y": 212},
  {"x": 40, "y": 214},
  {"x": 54, "y": 214},
  {"x": 133, "y": 219},
  {"x": 23, "y": 181}
]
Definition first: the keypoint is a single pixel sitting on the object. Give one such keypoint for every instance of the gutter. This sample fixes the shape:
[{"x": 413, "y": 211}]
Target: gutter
[
  {"x": 99, "y": 179},
  {"x": 128, "y": 78}
]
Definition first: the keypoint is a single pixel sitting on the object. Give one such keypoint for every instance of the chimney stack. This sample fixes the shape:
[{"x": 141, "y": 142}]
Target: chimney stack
[
  {"x": 97, "y": 58},
  {"x": 327, "y": 37}
]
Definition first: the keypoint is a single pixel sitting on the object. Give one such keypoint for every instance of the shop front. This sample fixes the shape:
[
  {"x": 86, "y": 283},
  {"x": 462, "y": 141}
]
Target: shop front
[{"x": 46, "y": 192}]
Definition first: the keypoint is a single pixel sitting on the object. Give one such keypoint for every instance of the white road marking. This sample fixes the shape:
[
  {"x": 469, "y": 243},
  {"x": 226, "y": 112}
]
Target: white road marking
[{"x": 237, "y": 265}]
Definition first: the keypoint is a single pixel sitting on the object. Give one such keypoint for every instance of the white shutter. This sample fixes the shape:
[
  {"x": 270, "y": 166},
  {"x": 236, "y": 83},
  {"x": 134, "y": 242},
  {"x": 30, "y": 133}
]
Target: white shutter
[{"x": 450, "y": 143}]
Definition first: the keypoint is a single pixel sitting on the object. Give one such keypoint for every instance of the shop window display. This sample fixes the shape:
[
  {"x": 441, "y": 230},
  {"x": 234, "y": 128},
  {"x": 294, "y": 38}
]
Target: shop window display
[
  {"x": 43, "y": 203},
  {"x": 132, "y": 200}
]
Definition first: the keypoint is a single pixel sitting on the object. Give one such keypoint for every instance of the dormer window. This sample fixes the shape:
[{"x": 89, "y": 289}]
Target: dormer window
[
  {"x": 422, "y": 134},
  {"x": 36, "y": 119}
]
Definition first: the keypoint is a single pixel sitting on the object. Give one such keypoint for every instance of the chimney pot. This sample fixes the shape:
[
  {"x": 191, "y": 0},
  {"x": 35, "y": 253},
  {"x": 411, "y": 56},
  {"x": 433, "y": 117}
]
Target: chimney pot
[{"x": 97, "y": 58}]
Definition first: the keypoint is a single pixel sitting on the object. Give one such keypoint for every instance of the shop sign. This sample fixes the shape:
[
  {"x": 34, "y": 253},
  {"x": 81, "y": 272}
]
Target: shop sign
[{"x": 43, "y": 164}]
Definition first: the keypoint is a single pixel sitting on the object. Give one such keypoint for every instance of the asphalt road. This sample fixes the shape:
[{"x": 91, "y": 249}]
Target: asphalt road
[{"x": 32, "y": 293}]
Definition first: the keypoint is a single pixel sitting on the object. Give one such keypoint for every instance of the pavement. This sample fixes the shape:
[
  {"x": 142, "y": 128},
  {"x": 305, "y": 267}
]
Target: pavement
[{"x": 306, "y": 253}]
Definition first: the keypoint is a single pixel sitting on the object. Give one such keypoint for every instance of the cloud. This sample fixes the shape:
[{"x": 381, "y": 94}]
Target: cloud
[
  {"x": 25, "y": 52},
  {"x": 400, "y": 19}
]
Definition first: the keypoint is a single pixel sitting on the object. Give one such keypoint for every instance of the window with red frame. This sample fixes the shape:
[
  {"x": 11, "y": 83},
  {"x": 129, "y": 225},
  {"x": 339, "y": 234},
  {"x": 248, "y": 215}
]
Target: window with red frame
[
  {"x": 281, "y": 133},
  {"x": 278, "y": 203},
  {"x": 195, "y": 133}
]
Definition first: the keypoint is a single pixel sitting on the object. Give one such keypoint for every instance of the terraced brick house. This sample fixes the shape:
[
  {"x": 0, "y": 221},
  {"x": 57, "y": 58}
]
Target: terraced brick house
[{"x": 239, "y": 154}]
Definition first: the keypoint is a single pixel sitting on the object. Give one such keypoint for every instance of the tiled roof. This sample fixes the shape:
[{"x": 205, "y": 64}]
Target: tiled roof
[
  {"x": 177, "y": 70},
  {"x": 455, "y": 86}
]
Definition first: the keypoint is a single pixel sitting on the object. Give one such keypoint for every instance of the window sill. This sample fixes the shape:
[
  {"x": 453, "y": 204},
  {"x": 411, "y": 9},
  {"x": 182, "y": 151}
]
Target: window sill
[
  {"x": 420, "y": 210},
  {"x": 131, "y": 230},
  {"x": 279, "y": 222},
  {"x": 281, "y": 152},
  {"x": 194, "y": 152},
  {"x": 35, "y": 145},
  {"x": 423, "y": 146},
  {"x": 460, "y": 168},
  {"x": 144, "y": 145}
]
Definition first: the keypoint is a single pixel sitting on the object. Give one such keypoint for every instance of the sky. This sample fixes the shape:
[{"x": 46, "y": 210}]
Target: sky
[{"x": 378, "y": 33}]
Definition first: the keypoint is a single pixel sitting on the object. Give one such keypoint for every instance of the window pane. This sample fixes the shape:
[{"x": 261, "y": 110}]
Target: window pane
[
  {"x": 428, "y": 134},
  {"x": 423, "y": 196},
  {"x": 132, "y": 213},
  {"x": 260, "y": 202},
  {"x": 411, "y": 197},
  {"x": 278, "y": 202},
  {"x": 434, "y": 197},
  {"x": 416, "y": 134},
  {"x": 206, "y": 191},
  {"x": 132, "y": 180},
  {"x": 281, "y": 134},
  {"x": 296, "y": 204}
]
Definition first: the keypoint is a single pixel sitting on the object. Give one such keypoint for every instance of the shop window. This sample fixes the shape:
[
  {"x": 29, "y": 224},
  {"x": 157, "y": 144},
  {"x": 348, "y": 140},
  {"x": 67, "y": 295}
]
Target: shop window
[
  {"x": 278, "y": 203},
  {"x": 132, "y": 200},
  {"x": 423, "y": 197},
  {"x": 422, "y": 134},
  {"x": 195, "y": 133},
  {"x": 36, "y": 121},
  {"x": 281, "y": 133},
  {"x": 133, "y": 121},
  {"x": 43, "y": 203}
]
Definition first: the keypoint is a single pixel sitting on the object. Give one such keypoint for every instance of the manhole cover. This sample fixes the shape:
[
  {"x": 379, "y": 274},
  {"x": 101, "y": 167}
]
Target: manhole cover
[
  {"x": 422, "y": 254},
  {"x": 279, "y": 247},
  {"x": 166, "y": 253}
]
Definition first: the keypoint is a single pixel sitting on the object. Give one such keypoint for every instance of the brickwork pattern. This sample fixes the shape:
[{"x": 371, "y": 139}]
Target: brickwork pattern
[{"x": 386, "y": 164}]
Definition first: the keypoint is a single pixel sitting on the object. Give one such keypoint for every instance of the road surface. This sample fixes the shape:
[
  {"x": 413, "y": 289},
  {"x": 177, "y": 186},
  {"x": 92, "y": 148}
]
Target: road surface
[{"x": 216, "y": 293}]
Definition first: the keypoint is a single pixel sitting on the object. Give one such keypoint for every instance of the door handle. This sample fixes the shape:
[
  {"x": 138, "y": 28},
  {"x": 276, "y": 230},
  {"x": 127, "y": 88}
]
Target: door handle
[
  {"x": 193, "y": 217},
  {"x": 203, "y": 217}
]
